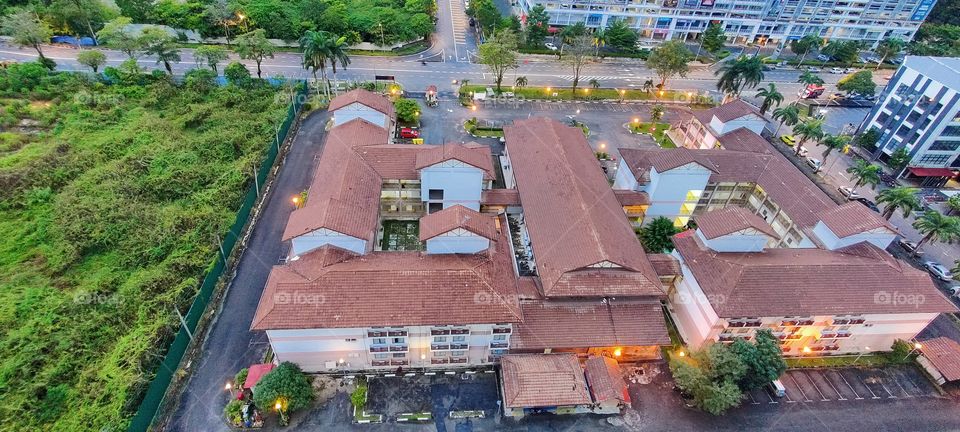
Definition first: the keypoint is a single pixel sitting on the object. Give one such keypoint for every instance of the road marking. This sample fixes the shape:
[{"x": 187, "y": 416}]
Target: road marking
[
  {"x": 898, "y": 384},
  {"x": 806, "y": 376},
  {"x": 848, "y": 385},
  {"x": 800, "y": 388},
  {"x": 825, "y": 378},
  {"x": 752, "y": 400},
  {"x": 453, "y": 29}
]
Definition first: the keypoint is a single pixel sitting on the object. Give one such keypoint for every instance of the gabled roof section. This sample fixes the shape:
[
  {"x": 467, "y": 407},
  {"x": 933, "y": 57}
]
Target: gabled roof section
[
  {"x": 743, "y": 139},
  {"x": 732, "y": 110},
  {"x": 605, "y": 379},
  {"x": 944, "y": 354},
  {"x": 729, "y": 220},
  {"x": 853, "y": 218},
  {"x": 473, "y": 154},
  {"x": 543, "y": 380},
  {"x": 560, "y": 324},
  {"x": 807, "y": 281},
  {"x": 573, "y": 218},
  {"x": 454, "y": 217},
  {"x": 364, "y": 97}
]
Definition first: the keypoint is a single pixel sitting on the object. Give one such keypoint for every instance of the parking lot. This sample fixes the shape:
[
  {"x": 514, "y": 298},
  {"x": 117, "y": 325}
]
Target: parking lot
[{"x": 824, "y": 386}]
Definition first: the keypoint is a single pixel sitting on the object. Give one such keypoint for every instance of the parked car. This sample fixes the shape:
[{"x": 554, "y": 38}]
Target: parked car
[
  {"x": 550, "y": 46},
  {"x": 907, "y": 245},
  {"x": 895, "y": 61},
  {"x": 814, "y": 163},
  {"x": 836, "y": 70},
  {"x": 814, "y": 69},
  {"x": 409, "y": 133},
  {"x": 803, "y": 151},
  {"x": 837, "y": 96},
  {"x": 889, "y": 180},
  {"x": 823, "y": 57},
  {"x": 789, "y": 140},
  {"x": 938, "y": 270},
  {"x": 954, "y": 291},
  {"x": 864, "y": 59},
  {"x": 873, "y": 59},
  {"x": 870, "y": 204},
  {"x": 848, "y": 192}
]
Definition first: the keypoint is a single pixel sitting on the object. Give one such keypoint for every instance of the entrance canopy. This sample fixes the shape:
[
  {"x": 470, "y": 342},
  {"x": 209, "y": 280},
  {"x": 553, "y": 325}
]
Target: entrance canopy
[{"x": 932, "y": 172}]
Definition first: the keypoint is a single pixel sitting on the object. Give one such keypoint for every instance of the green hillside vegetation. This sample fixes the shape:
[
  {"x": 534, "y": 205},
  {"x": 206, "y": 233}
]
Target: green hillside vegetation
[{"x": 111, "y": 198}]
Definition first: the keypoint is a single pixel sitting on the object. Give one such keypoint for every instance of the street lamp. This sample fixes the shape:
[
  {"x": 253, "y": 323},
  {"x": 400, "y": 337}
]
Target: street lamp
[
  {"x": 916, "y": 346},
  {"x": 865, "y": 349},
  {"x": 296, "y": 201},
  {"x": 682, "y": 354},
  {"x": 228, "y": 386},
  {"x": 282, "y": 412},
  {"x": 617, "y": 352}
]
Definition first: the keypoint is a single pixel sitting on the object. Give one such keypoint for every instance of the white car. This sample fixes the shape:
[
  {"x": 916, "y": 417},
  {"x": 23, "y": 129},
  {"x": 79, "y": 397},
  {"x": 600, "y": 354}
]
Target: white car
[
  {"x": 814, "y": 69},
  {"x": 803, "y": 151},
  {"x": 550, "y": 46},
  {"x": 848, "y": 192},
  {"x": 954, "y": 291},
  {"x": 849, "y": 70},
  {"x": 938, "y": 270},
  {"x": 814, "y": 163},
  {"x": 836, "y": 70}
]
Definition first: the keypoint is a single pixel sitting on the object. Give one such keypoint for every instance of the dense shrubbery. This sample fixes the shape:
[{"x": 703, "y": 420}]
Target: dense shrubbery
[{"x": 110, "y": 200}]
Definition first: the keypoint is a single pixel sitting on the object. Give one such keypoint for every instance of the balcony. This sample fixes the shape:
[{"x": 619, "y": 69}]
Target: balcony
[
  {"x": 461, "y": 331},
  {"x": 459, "y": 346},
  {"x": 501, "y": 330},
  {"x": 373, "y": 334},
  {"x": 378, "y": 349},
  {"x": 397, "y": 333},
  {"x": 439, "y": 347},
  {"x": 439, "y": 360},
  {"x": 499, "y": 344},
  {"x": 458, "y": 360},
  {"x": 437, "y": 332},
  {"x": 403, "y": 362},
  {"x": 398, "y": 348},
  {"x": 381, "y": 363}
]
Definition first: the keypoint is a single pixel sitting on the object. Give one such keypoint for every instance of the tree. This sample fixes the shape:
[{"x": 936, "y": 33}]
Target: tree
[
  {"x": 595, "y": 83},
  {"x": 899, "y": 158},
  {"x": 237, "y": 74},
  {"x": 738, "y": 75},
  {"x": 669, "y": 59},
  {"x": 889, "y": 48},
  {"x": 831, "y": 143},
  {"x": 212, "y": 55},
  {"x": 937, "y": 228},
  {"x": 620, "y": 36},
  {"x": 843, "y": 51},
  {"x": 520, "y": 82},
  {"x": 499, "y": 53},
  {"x": 255, "y": 46},
  {"x": 788, "y": 115},
  {"x": 421, "y": 25},
  {"x": 710, "y": 376},
  {"x": 810, "y": 129},
  {"x": 809, "y": 78},
  {"x": 770, "y": 97},
  {"x": 859, "y": 82},
  {"x": 568, "y": 34},
  {"x": 220, "y": 13},
  {"x": 953, "y": 204},
  {"x": 285, "y": 384},
  {"x": 408, "y": 110},
  {"x": 315, "y": 47},
  {"x": 337, "y": 50},
  {"x": 763, "y": 360},
  {"x": 805, "y": 45},
  {"x": 936, "y": 40},
  {"x": 538, "y": 23},
  {"x": 868, "y": 139},
  {"x": 116, "y": 34},
  {"x": 655, "y": 236},
  {"x": 486, "y": 14},
  {"x": 599, "y": 40},
  {"x": 713, "y": 38},
  {"x": 27, "y": 29},
  {"x": 92, "y": 59},
  {"x": 899, "y": 198},
  {"x": 158, "y": 43},
  {"x": 656, "y": 112},
  {"x": 864, "y": 173},
  {"x": 578, "y": 56},
  {"x": 77, "y": 16}
]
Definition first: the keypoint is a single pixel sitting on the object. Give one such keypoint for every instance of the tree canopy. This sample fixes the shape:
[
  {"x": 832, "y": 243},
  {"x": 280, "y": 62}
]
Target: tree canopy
[
  {"x": 285, "y": 384},
  {"x": 860, "y": 82},
  {"x": 713, "y": 38},
  {"x": 499, "y": 53},
  {"x": 669, "y": 60},
  {"x": 656, "y": 235}
]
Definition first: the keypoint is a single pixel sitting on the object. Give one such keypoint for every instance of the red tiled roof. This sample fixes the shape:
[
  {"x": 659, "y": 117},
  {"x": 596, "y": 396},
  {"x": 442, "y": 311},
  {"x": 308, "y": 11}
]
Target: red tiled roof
[
  {"x": 745, "y": 140},
  {"x": 329, "y": 287},
  {"x": 665, "y": 264},
  {"x": 364, "y": 97},
  {"x": 500, "y": 197},
  {"x": 573, "y": 217},
  {"x": 605, "y": 380},
  {"x": 631, "y": 198},
  {"x": 472, "y": 154},
  {"x": 255, "y": 372},
  {"x": 807, "y": 281},
  {"x": 786, "y": 186},
  {"x": 454, "y": 217},
  {"x": 543, "y": 380},
  {"x": 944, "y": 354},
  {"x": 853, "y": 218},
  {"x": 577, "y": 324},
  {"x": 732, "y": 110},
  {"x": 729, "y": 220},
  {"x": 392, "y": 161}
]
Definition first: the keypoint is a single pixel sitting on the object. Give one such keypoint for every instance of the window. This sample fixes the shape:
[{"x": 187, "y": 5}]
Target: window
[
  {"x": 399, "y": 355},
  {"x": 379, "y": 341},
  {"x": 435, "y": 207},
  {"x": 439, "y": 339},
  {"x": 440, "y": 353},
  {"x": 458, "y": 353},
  {"x": 882, "y": 117},
  {"x": 398, "y": 340},
  {"x": 459, "y": 338},
  {"x": 350, "y": 339},
  {"x": 381, "y": 356},
  {"x": 951, "y": 131},
  {"x": 499, "y": 337},
  {"x": 435, "y": 194},
  {"x": 945, "y": 145},
  {"x": 934, "y": 159},
  {"x": 498, "y": 352}
]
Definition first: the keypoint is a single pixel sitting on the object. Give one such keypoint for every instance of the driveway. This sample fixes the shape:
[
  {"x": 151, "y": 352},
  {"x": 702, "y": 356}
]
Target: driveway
[{"x": 230, "y": 345}]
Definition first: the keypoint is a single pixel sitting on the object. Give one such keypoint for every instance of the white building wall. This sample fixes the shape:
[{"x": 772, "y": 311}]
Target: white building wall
[
  {"x": 669, "y": 190},
  {"x": 460, "y": 183},
  {"x": 318, "y": 238},
  {"x": 880, "y": 238},
  {"x": 624, "y": 179},
  {"x": 691, "y": 310},
  {"x": 752, "y": 122},
  {"x": 743, "y": 241},
  {"x": 358, "y": 110},
  {"x": 457, "y": 241}
]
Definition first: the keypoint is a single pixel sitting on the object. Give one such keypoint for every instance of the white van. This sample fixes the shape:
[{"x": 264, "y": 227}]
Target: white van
[{"x": 777, "y": 388}]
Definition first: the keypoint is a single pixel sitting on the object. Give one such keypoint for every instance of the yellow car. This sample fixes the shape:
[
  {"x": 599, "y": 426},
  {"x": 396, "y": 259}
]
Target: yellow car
[{"x": 788, "y": 140}]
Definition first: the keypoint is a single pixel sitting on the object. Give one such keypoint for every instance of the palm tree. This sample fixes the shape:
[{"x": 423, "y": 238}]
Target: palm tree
[
  {"x": 770, "y": 97},
  {"x": 315, "y": 46},
  {"x": 337, "y": 48},
  {"x": 648, "y": 85},
  {"x": 903, "y": 198},
  {"x": 738, "y": 75},
  {"x": 599, "y": 41},
  {"x": 521, "y": 81},
  {"x": 811, "y": 129},
  {"x": 594, "y": 83},
  {"x": 656, "y": 112},
  {"x": 833, "y": 142},
  {"x": 936, "y": 227},
  {"x": 807, "y": 78},
  {"x": 864, "y": 173},
  {"x": 788, "y": 115}
]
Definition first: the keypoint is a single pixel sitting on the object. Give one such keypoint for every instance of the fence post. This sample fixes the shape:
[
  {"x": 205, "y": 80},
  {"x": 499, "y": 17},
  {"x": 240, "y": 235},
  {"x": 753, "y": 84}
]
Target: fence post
[
  {"x": 256, "y": 181},
  {"x": 183, "y": 323}
]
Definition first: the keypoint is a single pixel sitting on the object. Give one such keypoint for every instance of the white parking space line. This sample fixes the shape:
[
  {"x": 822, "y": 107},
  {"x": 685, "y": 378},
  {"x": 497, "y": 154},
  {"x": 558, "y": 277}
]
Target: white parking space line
[
  {"x": 752, "y": 400},
  {"x": 848, "y": 385},
  {"x": 825, "y": 378},
  {"x": 896, "y": 381},
  {"x": 807, "y": 399},
  {"x": 814, "y": 384}
]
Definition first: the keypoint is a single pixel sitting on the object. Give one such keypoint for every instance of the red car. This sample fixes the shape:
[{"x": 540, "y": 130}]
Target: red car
[{"x": 409, "y": 133}]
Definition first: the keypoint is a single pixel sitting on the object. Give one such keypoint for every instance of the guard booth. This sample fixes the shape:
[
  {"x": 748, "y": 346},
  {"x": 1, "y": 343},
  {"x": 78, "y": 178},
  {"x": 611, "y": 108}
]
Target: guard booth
[{"x": 432, "y": 96}]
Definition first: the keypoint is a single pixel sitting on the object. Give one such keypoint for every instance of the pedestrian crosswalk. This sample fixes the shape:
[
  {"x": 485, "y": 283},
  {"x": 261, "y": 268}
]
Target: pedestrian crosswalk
[{"x": 601, "y": 78}]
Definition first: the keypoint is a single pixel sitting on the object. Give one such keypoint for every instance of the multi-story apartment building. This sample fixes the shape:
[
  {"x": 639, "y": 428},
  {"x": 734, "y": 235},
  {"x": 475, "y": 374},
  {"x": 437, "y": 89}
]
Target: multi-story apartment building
[
  {"x": 919, "y": 110},
  {"x": 759, "y": 21}
]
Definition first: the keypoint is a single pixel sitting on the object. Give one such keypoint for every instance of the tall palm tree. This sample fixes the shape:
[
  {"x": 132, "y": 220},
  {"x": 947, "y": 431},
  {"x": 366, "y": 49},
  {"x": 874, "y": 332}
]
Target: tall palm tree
[
  {"x": 936, "y": 227},
  {"x": 770, "y": 97},
  {"x": 738, "y": 75},
  {"x": 864, "y": 173},
  {"x": 599, "y": 41},
  {"x": 520, "y": 82},
  {"x": 810, "y": 129},
  {"x": 832, "y": 142},
  {"x": 316, "y": 51},
  {"x": 594, "y": 83},
  {"x": 903, "y": 198},
  {"x": 648, "y": 85},
  {"x": 337, "y": 48},
  {"x": 788, "y": 115}
]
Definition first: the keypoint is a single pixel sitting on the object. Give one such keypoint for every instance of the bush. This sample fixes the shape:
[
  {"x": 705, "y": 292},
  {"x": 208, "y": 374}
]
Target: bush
[
  {"x": 286, "y": 383},
  {"x": 237, "y": 74},
  {"x": 233, "y": 412},
  {"x": 241, "y": 378},
  {"x": 656, "y": 235},
  {"x": 408, "y": 110}
]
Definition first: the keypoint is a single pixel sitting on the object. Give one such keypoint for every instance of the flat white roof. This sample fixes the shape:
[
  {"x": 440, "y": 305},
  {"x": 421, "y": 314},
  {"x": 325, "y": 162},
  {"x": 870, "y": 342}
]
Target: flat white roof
[{"x": 945, "y": 70}]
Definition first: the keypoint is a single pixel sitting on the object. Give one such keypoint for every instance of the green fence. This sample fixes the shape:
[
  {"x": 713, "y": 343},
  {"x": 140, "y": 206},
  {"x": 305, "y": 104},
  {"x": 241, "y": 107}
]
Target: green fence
[{"x": 158, "y": 387}]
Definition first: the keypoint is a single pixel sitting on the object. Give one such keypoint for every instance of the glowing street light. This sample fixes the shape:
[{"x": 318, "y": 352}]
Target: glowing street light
[
  {"x": 806, "y": 350},
  {"x": 228, "y": 386},
  {"x": 473, "y": 108},
  {"x": 617, "y": 352},
  {"x": 636, "y": 120},
  {"x": 296, "y": 201},
  {"x": 603, "y": 146},
  {"x": 682, "y": 354}
]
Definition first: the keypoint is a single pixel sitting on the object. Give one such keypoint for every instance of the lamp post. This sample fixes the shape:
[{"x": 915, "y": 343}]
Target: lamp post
[
  {"x": 865, "y": 349},
  {"x": 916, "y": 346},
  {"x": 282, "y": 412}
]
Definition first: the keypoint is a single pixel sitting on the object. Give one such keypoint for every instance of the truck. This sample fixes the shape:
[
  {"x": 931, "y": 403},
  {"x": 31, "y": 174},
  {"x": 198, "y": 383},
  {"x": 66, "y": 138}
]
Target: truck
[{"x": 811, "y": 91}]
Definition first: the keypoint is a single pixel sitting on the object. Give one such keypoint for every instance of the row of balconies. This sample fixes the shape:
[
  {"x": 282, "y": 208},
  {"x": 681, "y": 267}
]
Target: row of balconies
[
  {"x": 445, "y": 347},
  {"x": 440, "y": 332},
  {"x": 385, "y": 333},
  {"x": 501, "y": 330},
  {"x": 795, "y": 322},
  {"x": 395, "y": 362},
  {"x": 448, "y": 360}
]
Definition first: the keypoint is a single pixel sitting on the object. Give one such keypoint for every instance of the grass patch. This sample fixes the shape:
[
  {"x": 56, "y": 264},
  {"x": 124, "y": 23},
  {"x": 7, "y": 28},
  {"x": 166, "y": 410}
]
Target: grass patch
[
  {"x": 400, "y": 235},
  {"x": 871, "y": 360},
  {"x": 657, "y": 130},
  {"x": 586, "y": 93},
  {"x": 470, "y": 125},
  {"x": 415, "y": 417},
  {"x": 408, "y": 49}
]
